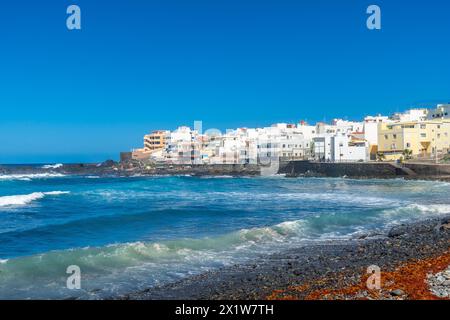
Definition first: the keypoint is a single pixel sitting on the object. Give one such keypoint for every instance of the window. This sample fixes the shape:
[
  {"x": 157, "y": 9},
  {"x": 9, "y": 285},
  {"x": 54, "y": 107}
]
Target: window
[
  {"x": 408, "y": 145},
  {"x": 423, "y": 135},
  {"x": 394, "y": 136},
  {"x": 423, "y": 126},
  {"x": 386, "y": 136}
]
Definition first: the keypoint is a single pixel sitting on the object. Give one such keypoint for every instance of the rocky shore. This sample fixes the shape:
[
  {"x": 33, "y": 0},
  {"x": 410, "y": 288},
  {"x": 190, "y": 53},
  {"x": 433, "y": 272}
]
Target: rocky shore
[
  {"x": 293, "y": 169},
  {"x": 414, "y": 261},
  {"x": 134, "y": 168}
]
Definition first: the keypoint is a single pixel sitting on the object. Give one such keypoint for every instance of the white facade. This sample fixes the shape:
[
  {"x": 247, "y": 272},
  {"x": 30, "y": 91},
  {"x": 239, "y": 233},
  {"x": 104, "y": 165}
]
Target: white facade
[
  {"x": 442, "y": 111},
  {"x": 183, "y": 146},
  {"x": 371, "y": 128},
  {"x": 346, "y": 149},
  {"x": 341, "y": 140},
  {"x": 344, "y": 126},
  {"x": 411, "y": 115},
  {"x": 322, "y": 147}
]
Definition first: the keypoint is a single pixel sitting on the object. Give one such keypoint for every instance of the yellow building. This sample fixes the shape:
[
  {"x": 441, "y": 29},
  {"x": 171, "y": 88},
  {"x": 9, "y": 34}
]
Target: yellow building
[
  {"x": 424, "y": 139},
  {"x": 155, "y": 141}
]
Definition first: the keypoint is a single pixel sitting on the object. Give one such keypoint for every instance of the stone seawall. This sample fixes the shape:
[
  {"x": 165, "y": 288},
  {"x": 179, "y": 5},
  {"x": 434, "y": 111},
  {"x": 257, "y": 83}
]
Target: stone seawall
[
  {"x": 431, "y": 169},
  {"x": 365, "y": 170},
  {"x": 212, "y": 170},
  {"x": 354, "y": 170}
]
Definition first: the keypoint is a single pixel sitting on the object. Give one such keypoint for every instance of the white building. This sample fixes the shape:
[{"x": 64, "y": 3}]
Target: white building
[
  {"x": 371, "y": 124},
  {"x": 371, "y": 128},
  {"x": 410, "y": 115},
  {"x": 183, "y": 146},
  {"x": 286, "y": 141},
  {"x": 442, "y": 111},
  {"x": 344, "y": 126},
  {"x": 348, "y": 148}
]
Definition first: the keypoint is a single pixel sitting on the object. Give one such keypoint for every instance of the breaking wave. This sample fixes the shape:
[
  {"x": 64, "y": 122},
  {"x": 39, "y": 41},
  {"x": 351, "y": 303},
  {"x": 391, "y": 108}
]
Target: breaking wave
[
  {"x": 141, "y": 264},
  {"x": 415, "y": 211},
  {"x": 148, "y": 232},
  {"x": 21, "y": 200},
  {"x": 52, "y": 166},
  {"x": 28, "y": 177}
]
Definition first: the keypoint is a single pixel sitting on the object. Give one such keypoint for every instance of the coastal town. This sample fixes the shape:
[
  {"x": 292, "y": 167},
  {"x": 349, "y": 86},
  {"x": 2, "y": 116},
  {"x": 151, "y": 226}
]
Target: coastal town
[{"x": 420, "y": 134}]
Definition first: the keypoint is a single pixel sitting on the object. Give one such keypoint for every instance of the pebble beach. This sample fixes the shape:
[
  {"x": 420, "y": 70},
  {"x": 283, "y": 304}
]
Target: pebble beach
[{"x": 414, "y": 260}]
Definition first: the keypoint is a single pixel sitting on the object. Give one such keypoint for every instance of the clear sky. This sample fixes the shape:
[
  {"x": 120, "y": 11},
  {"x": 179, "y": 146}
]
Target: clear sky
[{"x": 141, "y": 65}]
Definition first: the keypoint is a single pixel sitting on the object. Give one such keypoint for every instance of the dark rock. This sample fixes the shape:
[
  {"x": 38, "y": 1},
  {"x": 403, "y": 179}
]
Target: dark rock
[
  {"x": 397, "y": 292},
  {"x": 108, "y": 163},
  {"x": 445, "y": 220},
  {"x": 396, "y": 232}
]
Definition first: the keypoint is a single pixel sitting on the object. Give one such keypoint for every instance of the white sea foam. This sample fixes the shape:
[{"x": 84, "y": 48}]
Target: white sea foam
[
  {"x": 368, "y": 201},
  {"x": 24, "y": 199},
  {"x": 53, "y": 166},
  {"x": 28, "y": 177},
  {"x": 217, "y": 177},
  {"x": 139, "y": 265},
  {"x": 417, "y": 210},
  {"x": 414, "y": 212}
]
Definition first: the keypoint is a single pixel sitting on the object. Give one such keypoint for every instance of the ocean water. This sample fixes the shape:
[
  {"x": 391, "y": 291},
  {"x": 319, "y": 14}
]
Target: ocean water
[{"x": 129, "y": 234}]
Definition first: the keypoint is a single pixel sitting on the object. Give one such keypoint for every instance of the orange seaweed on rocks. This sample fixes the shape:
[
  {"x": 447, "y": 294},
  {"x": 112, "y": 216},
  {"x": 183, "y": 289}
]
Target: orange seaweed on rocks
[{"x": 406, "y": 281}]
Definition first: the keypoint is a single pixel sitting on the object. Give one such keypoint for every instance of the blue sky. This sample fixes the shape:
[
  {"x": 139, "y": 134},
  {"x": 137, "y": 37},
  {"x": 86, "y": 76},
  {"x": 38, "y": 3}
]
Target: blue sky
[{"x": 140, "y": 65}]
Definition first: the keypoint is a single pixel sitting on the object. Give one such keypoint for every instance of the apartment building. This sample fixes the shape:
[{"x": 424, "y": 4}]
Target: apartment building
[
  {"x": 410, "y": 115},
  {"x": 348, "y": 148},
  {"x": 156, "y": 140},
  {"x": 424, "y": 133},
  {"x": 371, "y": 133},
  {"x": 424, "y": 139},
  {"x": 442, "y": 111},
  {"x": 183, "y": 146}
]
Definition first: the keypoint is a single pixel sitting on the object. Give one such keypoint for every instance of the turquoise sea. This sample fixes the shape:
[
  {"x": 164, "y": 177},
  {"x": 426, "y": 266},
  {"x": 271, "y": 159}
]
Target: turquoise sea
[{"x": 129, "y": 234}]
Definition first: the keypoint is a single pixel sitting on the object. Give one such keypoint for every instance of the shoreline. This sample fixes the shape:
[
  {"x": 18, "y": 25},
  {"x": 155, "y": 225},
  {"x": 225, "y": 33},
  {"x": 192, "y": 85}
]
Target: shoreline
[
  {"x": 334, "y": 269},
  {"x": 290, "y": 169},
  {"x": 326, "y": 271}
]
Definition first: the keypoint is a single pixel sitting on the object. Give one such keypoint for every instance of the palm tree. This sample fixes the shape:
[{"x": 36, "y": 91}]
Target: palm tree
[
  {"x": 407, "y": 154},
  {"x": 380, "y": 156}
]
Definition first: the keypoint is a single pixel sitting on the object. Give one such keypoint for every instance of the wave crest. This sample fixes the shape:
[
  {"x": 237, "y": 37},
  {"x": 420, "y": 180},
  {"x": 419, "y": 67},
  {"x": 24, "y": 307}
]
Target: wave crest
[
  {"x": 24, "y": 199},
  {"x": 52, "y": 166},
  {"x": 28, "y": 177}
]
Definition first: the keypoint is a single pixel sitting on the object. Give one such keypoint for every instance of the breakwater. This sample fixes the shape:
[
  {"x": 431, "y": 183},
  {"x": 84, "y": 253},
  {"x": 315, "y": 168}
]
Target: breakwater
[
  {"x": 364, "y": 169},
  {"x": 205, "y": 170}
]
